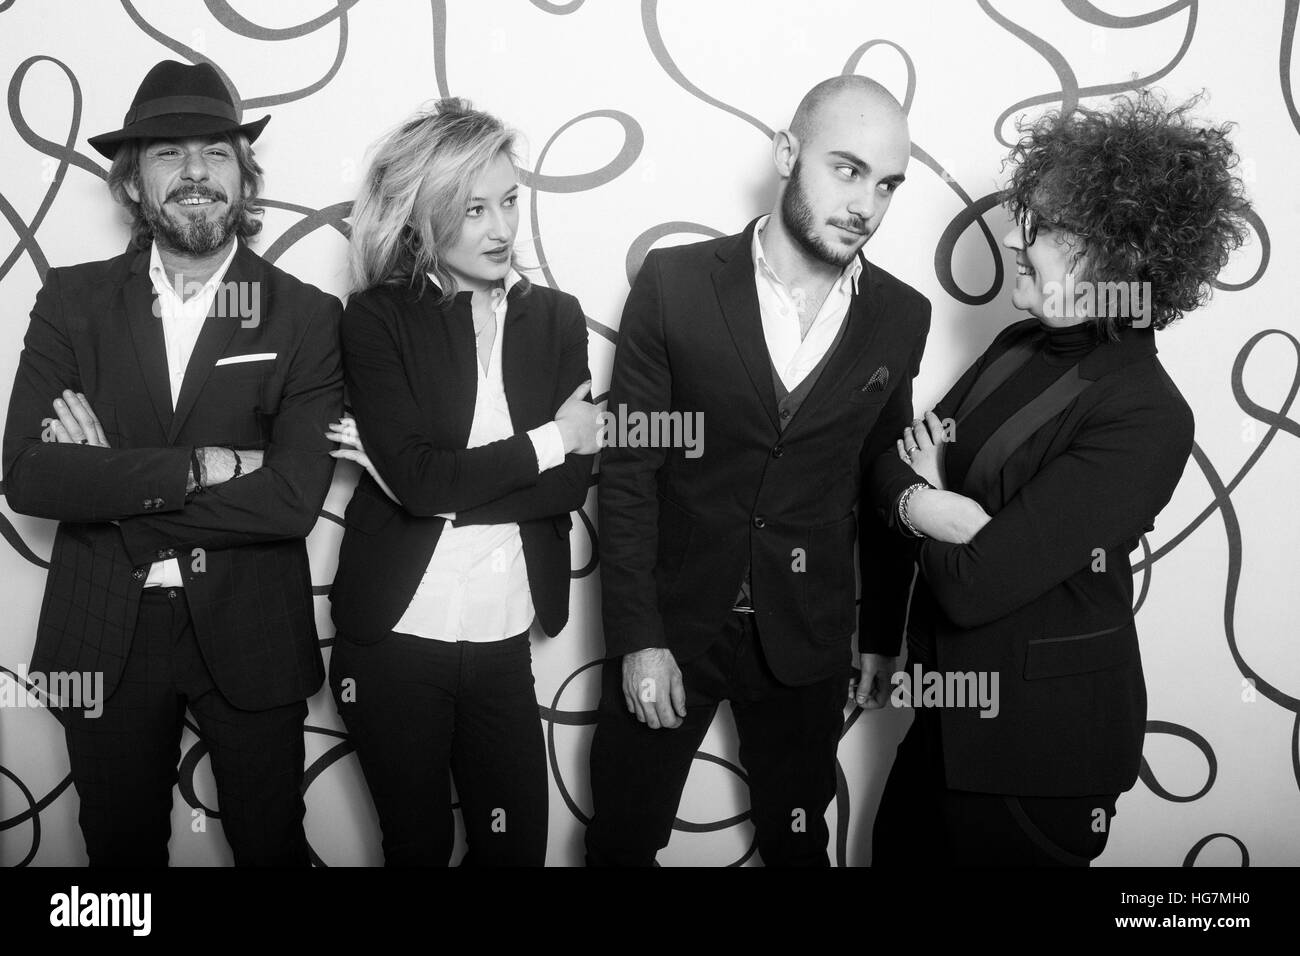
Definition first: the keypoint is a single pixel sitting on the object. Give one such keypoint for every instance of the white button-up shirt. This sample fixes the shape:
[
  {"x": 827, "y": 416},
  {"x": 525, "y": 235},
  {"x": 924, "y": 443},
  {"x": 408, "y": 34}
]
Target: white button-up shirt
[
  {"x": 794, "y": 357},
  {"x": 475, "y": 587},
  {"x": 182, "y": 320}
]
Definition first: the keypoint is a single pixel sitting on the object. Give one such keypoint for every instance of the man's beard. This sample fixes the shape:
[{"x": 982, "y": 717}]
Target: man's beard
[
  {"x": 192, "y": 235},
  {"x": 797, "y": 216}
]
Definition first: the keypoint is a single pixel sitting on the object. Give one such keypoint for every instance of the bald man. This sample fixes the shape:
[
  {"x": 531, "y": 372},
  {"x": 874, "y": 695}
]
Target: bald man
[{"x": 727, "y": 565}]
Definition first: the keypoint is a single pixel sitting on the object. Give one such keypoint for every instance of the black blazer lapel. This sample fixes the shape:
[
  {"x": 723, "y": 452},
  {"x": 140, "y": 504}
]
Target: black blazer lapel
[
  {"x": 525, "y": 391},
  {"x": 1107, "y": 357},
  {"x": 998, "y": 371},
  {"x": 734, "y": 283},
  {"x": 146, "y": 330},
  {"x": 218, "y": 328}
]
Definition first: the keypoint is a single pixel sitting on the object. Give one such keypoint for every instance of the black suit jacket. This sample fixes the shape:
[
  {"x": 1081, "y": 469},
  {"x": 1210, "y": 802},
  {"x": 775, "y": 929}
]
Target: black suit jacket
[
  {"x": 1074, "y": 477},
  {"x": 410, "y": 369},
  {"x": 676, "y": 533},
  {"x": 239, "y": 545}
]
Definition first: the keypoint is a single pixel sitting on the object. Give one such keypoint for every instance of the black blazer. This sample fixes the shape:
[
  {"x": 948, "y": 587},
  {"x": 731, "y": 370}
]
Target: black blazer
[
  {"x": 410, "y": 368},
  {"x": 1078, "y": 474},
  {"x": 93, "y": 329},
  {"x": 676, "y": 533}
]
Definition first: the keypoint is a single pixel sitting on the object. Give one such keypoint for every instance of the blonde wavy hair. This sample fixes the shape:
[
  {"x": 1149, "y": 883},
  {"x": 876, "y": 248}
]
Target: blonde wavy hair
[{"x": 413, "y": 199}]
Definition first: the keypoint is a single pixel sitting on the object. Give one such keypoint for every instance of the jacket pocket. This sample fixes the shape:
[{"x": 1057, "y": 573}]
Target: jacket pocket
[
  {"x": 827, "y": 569},
  {"x": 1080, "y": 653}
]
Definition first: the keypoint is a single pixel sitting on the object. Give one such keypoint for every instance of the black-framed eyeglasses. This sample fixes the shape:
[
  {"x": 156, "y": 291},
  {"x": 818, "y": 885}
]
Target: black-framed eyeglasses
[{"x": 1031, "y": 222}]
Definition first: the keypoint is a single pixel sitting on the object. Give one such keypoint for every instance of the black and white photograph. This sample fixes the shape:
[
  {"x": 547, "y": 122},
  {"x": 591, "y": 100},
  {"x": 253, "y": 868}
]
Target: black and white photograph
[{"x": 650, "y": 433}]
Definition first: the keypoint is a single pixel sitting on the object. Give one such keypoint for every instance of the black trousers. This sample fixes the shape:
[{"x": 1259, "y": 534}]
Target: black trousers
[
  {"x": 923, "y": 823},
  {"x": 788, "y": 740},
  {"x": 422, "y": 712},
  {"x": 124, "y": 760}
]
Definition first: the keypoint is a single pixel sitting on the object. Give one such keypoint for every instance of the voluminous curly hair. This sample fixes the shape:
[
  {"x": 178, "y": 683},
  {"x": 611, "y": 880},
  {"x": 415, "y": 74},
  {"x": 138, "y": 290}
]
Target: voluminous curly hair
[{"x": 1151, "y": 194}]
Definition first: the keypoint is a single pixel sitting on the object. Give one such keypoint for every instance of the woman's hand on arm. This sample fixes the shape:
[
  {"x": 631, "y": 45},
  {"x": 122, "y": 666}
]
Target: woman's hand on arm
[
  {"x": 345, "y": 432},
  {"x": 921, "y": 447}
]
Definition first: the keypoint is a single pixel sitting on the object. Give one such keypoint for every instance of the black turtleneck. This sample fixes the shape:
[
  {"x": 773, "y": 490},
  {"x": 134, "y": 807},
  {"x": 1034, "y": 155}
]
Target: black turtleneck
[{"x": 1058, "y": 350}]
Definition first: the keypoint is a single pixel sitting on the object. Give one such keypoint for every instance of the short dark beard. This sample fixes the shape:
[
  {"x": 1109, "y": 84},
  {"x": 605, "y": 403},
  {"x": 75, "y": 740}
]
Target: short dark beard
[
  {"x": 197, "y": 236},
  {"x": 797, "y": 217}
]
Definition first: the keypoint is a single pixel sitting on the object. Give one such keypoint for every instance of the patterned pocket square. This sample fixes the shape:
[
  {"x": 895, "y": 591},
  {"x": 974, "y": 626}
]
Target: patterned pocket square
[{"x": 879, "y": 379}]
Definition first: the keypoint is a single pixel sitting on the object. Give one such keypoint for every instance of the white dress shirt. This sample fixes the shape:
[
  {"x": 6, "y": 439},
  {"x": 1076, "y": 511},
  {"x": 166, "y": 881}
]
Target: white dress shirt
[
  {"x": 475, "y": 587},
  {"x": 794, "y": 357},
  {"x": 182, "y": 320}
]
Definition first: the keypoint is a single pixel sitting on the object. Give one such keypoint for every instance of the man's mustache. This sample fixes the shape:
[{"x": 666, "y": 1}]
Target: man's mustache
[
  {"x": 196, "y": 192},
  {"x": 853, "y": 225}
]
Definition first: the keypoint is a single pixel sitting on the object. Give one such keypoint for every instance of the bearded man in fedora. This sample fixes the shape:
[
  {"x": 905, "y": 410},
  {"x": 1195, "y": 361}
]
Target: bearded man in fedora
[{"x": 169, "y": 411}]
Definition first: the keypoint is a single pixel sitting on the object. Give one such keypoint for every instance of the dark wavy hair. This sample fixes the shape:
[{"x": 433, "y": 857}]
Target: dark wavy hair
[
  {"x": 126, "y": 169},
  {"x": 1151, "y": 193}
]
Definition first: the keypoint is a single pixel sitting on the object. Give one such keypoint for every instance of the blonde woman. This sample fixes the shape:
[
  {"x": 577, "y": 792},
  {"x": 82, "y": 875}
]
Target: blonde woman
[{"x": 466, "y": 383}]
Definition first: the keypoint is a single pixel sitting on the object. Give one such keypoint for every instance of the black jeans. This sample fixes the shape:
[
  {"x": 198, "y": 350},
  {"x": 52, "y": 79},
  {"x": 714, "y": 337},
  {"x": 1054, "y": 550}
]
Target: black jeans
[
  {"x": 921, "y": 822},
  {"x": 421, "y": 712},
  {"x": 124, "y": 761},
  {"x": 788, "y": 740}
]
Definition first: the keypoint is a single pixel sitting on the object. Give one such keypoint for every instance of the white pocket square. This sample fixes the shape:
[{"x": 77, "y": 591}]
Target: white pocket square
[{"x": 251, "y": 357}]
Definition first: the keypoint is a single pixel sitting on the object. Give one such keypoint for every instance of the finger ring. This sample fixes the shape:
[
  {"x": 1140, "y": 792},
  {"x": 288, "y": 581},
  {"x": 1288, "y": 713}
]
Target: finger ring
[{"x": 911, "y": 450}]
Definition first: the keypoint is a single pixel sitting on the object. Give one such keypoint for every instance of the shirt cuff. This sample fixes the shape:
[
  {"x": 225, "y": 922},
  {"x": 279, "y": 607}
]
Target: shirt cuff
[{"x": 548, "y": 445}]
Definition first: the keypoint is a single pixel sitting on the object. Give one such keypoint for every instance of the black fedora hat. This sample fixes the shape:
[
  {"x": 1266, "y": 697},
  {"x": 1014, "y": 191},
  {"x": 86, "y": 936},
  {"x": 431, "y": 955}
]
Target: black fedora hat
[{"x": 177, "y": 100}]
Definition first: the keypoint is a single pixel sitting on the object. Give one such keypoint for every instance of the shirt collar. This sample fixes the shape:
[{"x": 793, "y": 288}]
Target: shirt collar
[
  {"x": 512, "y": 279},
  {"x": 159, "y": 275},
  {"x": 850, "y": 273}
]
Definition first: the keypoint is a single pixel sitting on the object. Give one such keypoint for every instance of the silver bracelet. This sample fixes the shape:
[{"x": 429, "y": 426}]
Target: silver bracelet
[{"x": 903, "y": 499}]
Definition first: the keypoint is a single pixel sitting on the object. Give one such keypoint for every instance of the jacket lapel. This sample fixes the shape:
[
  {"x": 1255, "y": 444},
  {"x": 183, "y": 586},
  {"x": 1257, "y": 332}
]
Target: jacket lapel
[
  {"x": 524, "y": 390},
  {"x": 147, "y": 338},
  {"x": 999, "y": 370},
  {"x": 989, "y": 461},
  {"x": 733, "y": 282},
  {"x": 218, "y": 328}
]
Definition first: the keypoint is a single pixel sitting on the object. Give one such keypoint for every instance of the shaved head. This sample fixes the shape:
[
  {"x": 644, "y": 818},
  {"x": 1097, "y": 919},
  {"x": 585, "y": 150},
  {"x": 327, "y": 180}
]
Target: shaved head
[
  {"x": 841, "y": 98},
  {"x": 845, "y": 153}
]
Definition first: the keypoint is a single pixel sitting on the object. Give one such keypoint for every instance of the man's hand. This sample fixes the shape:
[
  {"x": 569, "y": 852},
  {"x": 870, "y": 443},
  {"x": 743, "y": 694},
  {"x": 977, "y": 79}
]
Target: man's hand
[
  {"x": 872, "y": 691},
  {"x": 652, "y": 687},
  {"x": 579, "y": 423},
  {"x": 76, "y": 423},
  {"x": 218, "y": 463},
  {"x": 945, "y": 515}
]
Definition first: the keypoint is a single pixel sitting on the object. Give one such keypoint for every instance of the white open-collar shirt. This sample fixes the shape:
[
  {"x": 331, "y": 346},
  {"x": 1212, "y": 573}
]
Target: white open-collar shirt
[
  {"x": 182, "y": 320},
  {"x": 793, "y": 357},
  {"x": 475, "y": 587}
]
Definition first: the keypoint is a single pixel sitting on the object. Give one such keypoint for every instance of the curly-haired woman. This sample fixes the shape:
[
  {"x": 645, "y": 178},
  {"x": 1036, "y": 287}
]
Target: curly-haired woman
[{"x": 1032, "y": 481}]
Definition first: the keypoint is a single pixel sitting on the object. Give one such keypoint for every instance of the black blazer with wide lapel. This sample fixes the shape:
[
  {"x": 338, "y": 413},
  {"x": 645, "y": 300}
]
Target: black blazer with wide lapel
[
  {"x": 1042, "y": 596},
  {"x": 677, "y": 530},
  {"x": 240, "y": 547},
  {"x": 410, "y": 367}
]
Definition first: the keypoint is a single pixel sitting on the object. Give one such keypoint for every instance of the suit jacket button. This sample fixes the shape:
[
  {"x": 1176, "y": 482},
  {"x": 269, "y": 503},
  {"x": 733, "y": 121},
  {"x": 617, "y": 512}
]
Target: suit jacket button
[
  {"x": 759, "y": 522},
  {"x": 138, "y": 574},
  {"x": 778, "y": 451}
]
